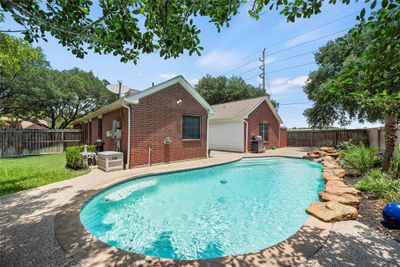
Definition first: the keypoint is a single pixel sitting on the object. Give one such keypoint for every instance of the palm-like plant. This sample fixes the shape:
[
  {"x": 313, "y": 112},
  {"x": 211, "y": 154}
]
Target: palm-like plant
[{"x": 359, "y": 157}]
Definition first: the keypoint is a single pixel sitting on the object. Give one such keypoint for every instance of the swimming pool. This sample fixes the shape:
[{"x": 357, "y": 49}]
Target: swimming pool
[{"x": 230, "y": 209}]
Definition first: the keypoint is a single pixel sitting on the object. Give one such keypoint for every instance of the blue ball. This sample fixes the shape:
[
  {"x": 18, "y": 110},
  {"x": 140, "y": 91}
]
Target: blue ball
[
  {"x": 223, "y": 181},
  {"x": 391, "y": 215}
]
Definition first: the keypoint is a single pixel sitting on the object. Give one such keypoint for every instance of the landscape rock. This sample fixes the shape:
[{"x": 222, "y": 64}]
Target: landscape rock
[
  {"x": 333, "y": 183},
  {"x": 313, "y": 155},
  {"x": 340, "y": 190},
  {"x": 346, "y": 199},
  {"x": 339, "y": 173},
  {"x": 331, "y": 164},
  {"x": 327, "y": 158},
  {"x": 328, "y": 149},
  {"x": 331, "y": 177},
  {"x": 332, "y": 211},
  {"x": 334, "y": 155}
]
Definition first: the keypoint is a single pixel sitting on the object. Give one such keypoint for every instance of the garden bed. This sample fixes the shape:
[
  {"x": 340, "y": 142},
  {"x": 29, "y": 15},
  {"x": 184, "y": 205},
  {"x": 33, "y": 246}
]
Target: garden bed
[{"x": 370, "y": 211}]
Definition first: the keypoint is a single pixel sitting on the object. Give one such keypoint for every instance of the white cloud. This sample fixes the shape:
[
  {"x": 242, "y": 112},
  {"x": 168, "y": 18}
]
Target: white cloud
[
  {"x": 282, "y": 85},
  {"x": 167, "y": 76},
  {"x": 219, "y": 60},
  {"x": 193, "y": 81}
]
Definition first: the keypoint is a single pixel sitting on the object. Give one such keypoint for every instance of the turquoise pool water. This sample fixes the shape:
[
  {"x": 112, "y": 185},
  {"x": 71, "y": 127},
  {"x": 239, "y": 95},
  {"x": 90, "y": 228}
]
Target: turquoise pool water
[{"x": 192, "y": 215}]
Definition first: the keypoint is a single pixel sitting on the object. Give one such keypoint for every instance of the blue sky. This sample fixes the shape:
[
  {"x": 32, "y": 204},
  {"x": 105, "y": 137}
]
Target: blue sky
[{"x": 237, "y": 45}]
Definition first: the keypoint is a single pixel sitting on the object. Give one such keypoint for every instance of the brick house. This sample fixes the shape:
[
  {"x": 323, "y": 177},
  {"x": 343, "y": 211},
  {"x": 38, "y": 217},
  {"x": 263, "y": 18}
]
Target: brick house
[
  {"x": 234, "y": 124},
  {"x": 165, "y": 123}
]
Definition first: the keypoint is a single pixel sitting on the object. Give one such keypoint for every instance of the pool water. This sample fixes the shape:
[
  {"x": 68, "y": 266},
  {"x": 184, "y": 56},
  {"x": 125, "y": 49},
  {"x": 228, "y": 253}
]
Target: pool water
[{"x": 195, "y": 215}]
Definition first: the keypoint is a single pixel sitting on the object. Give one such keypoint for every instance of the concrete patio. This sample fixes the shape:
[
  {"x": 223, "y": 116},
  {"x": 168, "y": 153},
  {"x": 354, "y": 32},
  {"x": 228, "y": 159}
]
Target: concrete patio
[{"x": 27, "y": 221}]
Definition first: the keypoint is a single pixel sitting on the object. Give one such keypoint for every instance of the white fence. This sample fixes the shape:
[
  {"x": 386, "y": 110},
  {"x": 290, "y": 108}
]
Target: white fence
[{"x": 376, "y": 137}]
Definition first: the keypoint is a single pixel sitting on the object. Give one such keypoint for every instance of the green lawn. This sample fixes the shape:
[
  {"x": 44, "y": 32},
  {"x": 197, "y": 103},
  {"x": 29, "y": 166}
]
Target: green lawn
[{"x": 17, "y": 174}]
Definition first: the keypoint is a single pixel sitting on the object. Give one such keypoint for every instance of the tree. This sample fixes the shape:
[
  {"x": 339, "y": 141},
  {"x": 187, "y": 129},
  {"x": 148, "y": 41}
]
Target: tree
[
  {"x": 15, "y": 56},
  {"x": 59, "y": 97},
  {"x": 359, "y": 77},
  {"x": 127, "y": 28},
  {"x": 221, "y": 89}
]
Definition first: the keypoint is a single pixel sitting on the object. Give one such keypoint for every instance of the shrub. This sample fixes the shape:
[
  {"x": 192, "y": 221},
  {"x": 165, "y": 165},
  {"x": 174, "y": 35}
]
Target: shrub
[
  {"x": 359, "y": 157},
  {"x": 396, "y": 163},
  {"x": 345, "y": 145},
  {"x": 380, "y": 183},
  {"x": 74, "y": 157}
]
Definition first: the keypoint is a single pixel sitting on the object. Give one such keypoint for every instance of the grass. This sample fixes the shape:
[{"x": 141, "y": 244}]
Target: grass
[
  {"x": 17, "y": 174},
  {"x": 380, "y": 183}
]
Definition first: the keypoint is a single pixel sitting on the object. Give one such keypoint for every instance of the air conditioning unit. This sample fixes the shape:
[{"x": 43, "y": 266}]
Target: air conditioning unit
[{"x": 110, "y": 161}]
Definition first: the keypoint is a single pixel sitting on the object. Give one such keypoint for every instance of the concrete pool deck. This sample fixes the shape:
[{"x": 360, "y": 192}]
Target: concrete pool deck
[{"x": 27, "y": 235}]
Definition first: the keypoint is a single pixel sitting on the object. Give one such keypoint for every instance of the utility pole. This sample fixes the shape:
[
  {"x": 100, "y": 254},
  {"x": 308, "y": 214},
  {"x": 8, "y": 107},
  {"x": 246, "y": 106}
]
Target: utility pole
[{"x": 262, "y": 68}]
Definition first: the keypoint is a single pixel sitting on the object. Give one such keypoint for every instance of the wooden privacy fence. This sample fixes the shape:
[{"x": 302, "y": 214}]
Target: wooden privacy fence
[
  {"x": 27, "y": 142},
  {"x": 311, "y": 138}
]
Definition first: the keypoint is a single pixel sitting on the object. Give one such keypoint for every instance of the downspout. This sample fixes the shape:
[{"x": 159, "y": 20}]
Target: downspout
[
  {"x": 128, "y": 156},
  {"x": 208, "y": 136},
  {"x": 279, "y": 137},
  {"x": 246, "y": 136}
]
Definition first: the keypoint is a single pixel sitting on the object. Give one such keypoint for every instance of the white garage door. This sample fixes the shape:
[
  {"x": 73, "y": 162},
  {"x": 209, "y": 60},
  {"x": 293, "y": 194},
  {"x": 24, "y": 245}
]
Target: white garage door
[{"x": 227, "y": 136}]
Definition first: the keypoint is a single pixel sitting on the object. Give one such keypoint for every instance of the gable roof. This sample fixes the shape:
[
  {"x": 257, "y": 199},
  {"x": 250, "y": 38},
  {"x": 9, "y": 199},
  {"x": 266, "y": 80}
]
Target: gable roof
[
  {"x": 241, "y": 109},
  {"x": 134, "y": 98}
]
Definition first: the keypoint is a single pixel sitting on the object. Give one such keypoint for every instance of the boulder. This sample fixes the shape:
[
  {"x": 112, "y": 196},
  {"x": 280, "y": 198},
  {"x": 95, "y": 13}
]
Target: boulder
[
  {"x": 340, "y": 190},
  {"x": 313, "y": 155},
  {"x": 328, "y": 149},
  {"x": 327, "y": 158},
  {"x": 346, "y": 199},
  {"x": 333, "y": 155},
  {"x": 331, "y": 177},
  {"x": 331, "y": 164},
  {"x": 333, "y": 183},
  {"x": 339, "y": 173},
  {"x": 332, "y": 211},
  {"x": 321, "y": 153}
]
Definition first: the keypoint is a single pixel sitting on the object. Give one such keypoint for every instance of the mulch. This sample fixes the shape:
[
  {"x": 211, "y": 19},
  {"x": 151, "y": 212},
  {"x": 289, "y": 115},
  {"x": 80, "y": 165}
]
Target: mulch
[{"x": 370, "y": 212}]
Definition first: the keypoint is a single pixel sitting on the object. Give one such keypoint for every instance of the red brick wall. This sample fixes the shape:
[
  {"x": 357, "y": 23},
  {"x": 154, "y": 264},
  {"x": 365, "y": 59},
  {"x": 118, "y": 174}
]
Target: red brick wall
[
  {"x": 158, "y": 116},
  {"x": 263, "y": 114},
  {"x": 283, "y": 137},
  {"x": 94, "y": 130},
  {"x": 121, "y": 115}
]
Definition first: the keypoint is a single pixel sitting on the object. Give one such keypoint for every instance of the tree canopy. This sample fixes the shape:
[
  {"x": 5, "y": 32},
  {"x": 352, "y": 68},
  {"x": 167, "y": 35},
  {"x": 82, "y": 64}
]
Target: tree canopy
[
  {"x": 32, "y": 91},
  {"x": 358, "y": 77},
  {"x": 128, "y": 28},
  {"x": 221, "y": 89}
]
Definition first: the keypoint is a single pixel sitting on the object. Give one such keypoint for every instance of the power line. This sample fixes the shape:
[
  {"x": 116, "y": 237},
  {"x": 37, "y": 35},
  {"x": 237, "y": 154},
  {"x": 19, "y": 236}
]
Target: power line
[
  {"x": 240, "y": 67},
  {"x": 295, "y": 103},
  {"x": 293, "y": 67},
  {"x": 314, "y": 29},
  {"x": 281, "y": 60},
  {"x": 279, "y": 70},
  {"x": 290, "y": 47},
  {"x": 310, "y": 41}
]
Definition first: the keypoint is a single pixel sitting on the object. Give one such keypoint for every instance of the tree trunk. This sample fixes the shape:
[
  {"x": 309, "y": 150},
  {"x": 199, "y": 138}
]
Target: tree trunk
[{"x": 390, "y": 140}]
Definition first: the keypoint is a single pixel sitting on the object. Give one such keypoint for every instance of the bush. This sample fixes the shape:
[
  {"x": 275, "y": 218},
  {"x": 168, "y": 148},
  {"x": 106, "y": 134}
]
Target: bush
[
  {"x": 359, "y": 157},
  {"x": 396, "y": 163},
  {"x": 345, "y": 145},
  {"x": 380, "y": 183},
  {"x": 74, "y": 157}
]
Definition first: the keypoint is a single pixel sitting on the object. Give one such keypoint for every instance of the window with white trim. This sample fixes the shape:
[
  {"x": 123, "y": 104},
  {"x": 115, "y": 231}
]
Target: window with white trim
[{"x": 264, "y": 131}]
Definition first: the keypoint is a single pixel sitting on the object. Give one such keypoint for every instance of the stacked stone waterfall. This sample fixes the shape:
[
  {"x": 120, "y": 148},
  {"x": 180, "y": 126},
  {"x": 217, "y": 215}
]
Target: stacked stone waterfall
[{"x": 339, "y": 201}]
